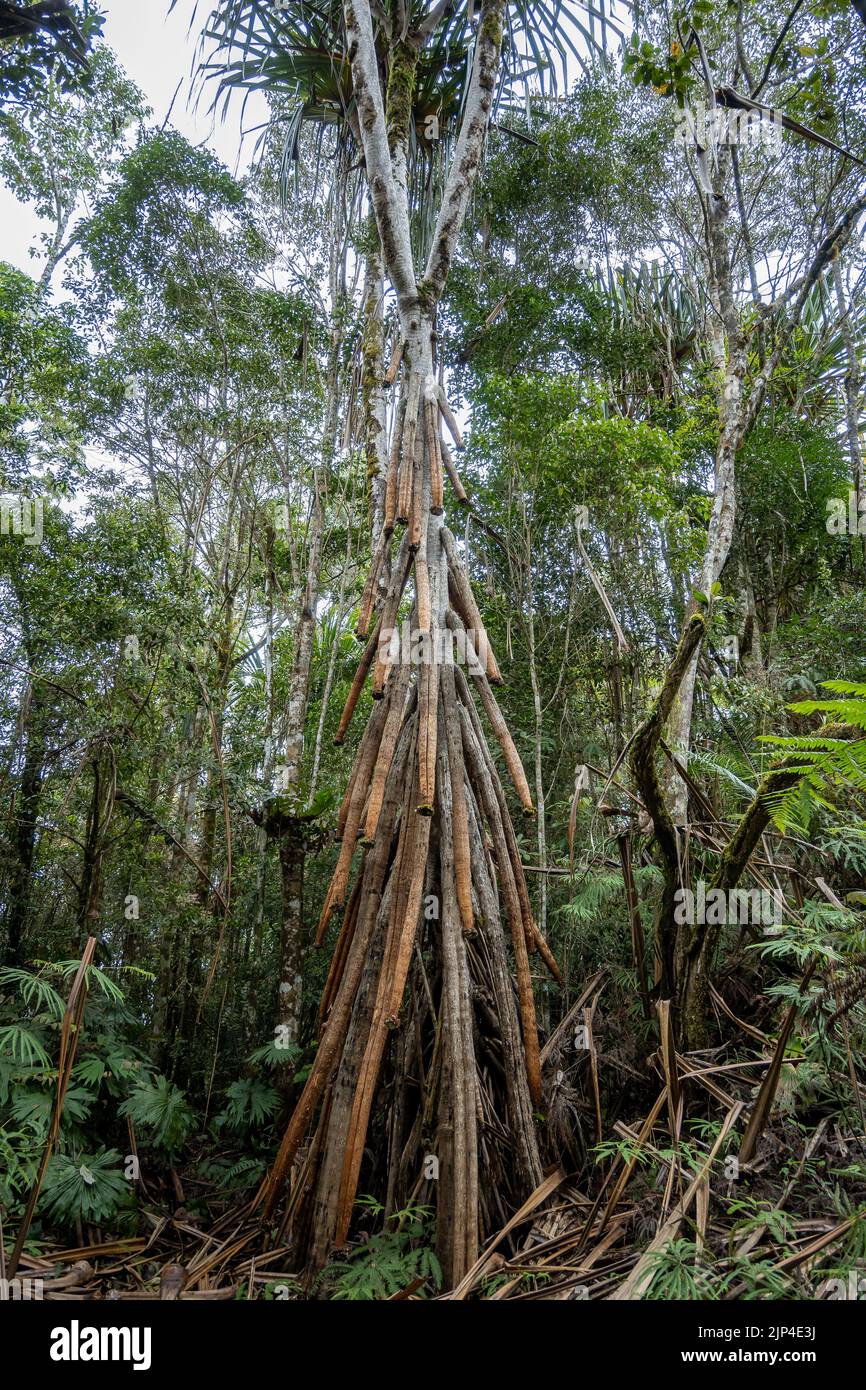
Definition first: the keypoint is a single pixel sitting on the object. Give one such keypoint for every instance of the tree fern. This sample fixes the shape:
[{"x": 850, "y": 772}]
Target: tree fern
[
  {"x": 718, "y": 768},
  {"x": 600, "y": 890},
  {"x": 823, "y": 762}
]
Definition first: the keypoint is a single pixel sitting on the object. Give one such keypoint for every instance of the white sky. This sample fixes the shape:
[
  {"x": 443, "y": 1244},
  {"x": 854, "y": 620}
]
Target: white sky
[{"x": 157, "y": 52}]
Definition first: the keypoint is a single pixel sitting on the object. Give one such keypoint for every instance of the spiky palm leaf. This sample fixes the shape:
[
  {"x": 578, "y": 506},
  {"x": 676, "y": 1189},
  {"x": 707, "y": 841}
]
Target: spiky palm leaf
[
  {"x": 653, "y": 301},
  {"x": 86, "y": 1187},
  {"x": 37, "y": 994},
  {"x": 50, "y": 37},
  {"x": 818, "y": 356},
  {"x": 296, "y": 50},
  {"x": 294, "y": 43},
  {"x": 162, "y": 1109}
]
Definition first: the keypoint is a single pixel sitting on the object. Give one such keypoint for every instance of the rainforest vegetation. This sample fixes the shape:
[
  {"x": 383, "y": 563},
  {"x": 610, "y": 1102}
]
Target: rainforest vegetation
[{"x": 432, "y": 663}]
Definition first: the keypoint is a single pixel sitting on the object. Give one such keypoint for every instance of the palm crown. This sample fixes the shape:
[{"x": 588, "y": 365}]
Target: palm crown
[{"x": 297, "y": 49}]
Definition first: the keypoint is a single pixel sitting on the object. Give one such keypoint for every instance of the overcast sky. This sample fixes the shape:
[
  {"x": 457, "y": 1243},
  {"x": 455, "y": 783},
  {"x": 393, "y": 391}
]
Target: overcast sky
[{"x": 157, "y": 53}]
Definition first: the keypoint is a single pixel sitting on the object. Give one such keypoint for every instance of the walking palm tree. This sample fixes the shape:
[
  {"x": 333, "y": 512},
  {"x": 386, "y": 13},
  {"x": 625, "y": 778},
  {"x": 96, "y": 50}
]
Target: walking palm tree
[{"x": 424, "y": 1041}]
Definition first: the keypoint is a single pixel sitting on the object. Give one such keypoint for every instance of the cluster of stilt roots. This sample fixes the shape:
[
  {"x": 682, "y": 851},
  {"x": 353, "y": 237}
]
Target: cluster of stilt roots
[{"x": 427, "y": 1069}]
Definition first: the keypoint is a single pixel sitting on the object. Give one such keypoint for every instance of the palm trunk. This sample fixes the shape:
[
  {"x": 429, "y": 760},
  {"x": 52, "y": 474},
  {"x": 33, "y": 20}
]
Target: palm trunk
[{"x": 426, "y": 791}]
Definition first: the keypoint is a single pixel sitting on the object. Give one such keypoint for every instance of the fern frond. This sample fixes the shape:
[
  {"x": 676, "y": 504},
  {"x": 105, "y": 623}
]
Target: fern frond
[
  {"x": 716, "y": 768},
  {"x": 845, "y": 687},
  {"x": 843, "y": 711}
]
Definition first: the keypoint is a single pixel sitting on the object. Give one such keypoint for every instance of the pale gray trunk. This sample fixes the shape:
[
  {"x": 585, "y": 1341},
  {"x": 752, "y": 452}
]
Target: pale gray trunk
[
  {"x": 729, "y": 349},
  {"x": 853, "y": 381}
]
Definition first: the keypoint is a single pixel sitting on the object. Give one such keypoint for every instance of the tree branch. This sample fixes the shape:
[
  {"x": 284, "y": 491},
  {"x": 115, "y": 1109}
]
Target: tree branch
[
  {"x": 470, "y": 143},
  {"x": 392, "y": 216}
]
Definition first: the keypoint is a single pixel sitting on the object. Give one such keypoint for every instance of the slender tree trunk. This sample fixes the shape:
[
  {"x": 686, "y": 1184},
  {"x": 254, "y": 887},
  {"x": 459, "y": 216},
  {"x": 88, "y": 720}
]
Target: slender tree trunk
[
  {"x": 26, "y": 816},
  {"x": 541, "y": 825},
  {"x": 292, "y": 946},
  {"x": 268, "y": 758},
  {"x": 98, "y": 821},
  {"x": 291, "y": 941},
  {"x": 853, "y": 384},
  {"x": 729, "y": 350}
]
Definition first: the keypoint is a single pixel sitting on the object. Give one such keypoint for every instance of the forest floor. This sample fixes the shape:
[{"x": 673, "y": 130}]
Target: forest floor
[{"x": 663, "y": 1205}]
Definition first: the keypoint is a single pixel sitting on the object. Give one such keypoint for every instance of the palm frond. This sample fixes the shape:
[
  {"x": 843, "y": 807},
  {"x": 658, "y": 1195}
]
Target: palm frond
[{"x": 296, "y": 50}]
